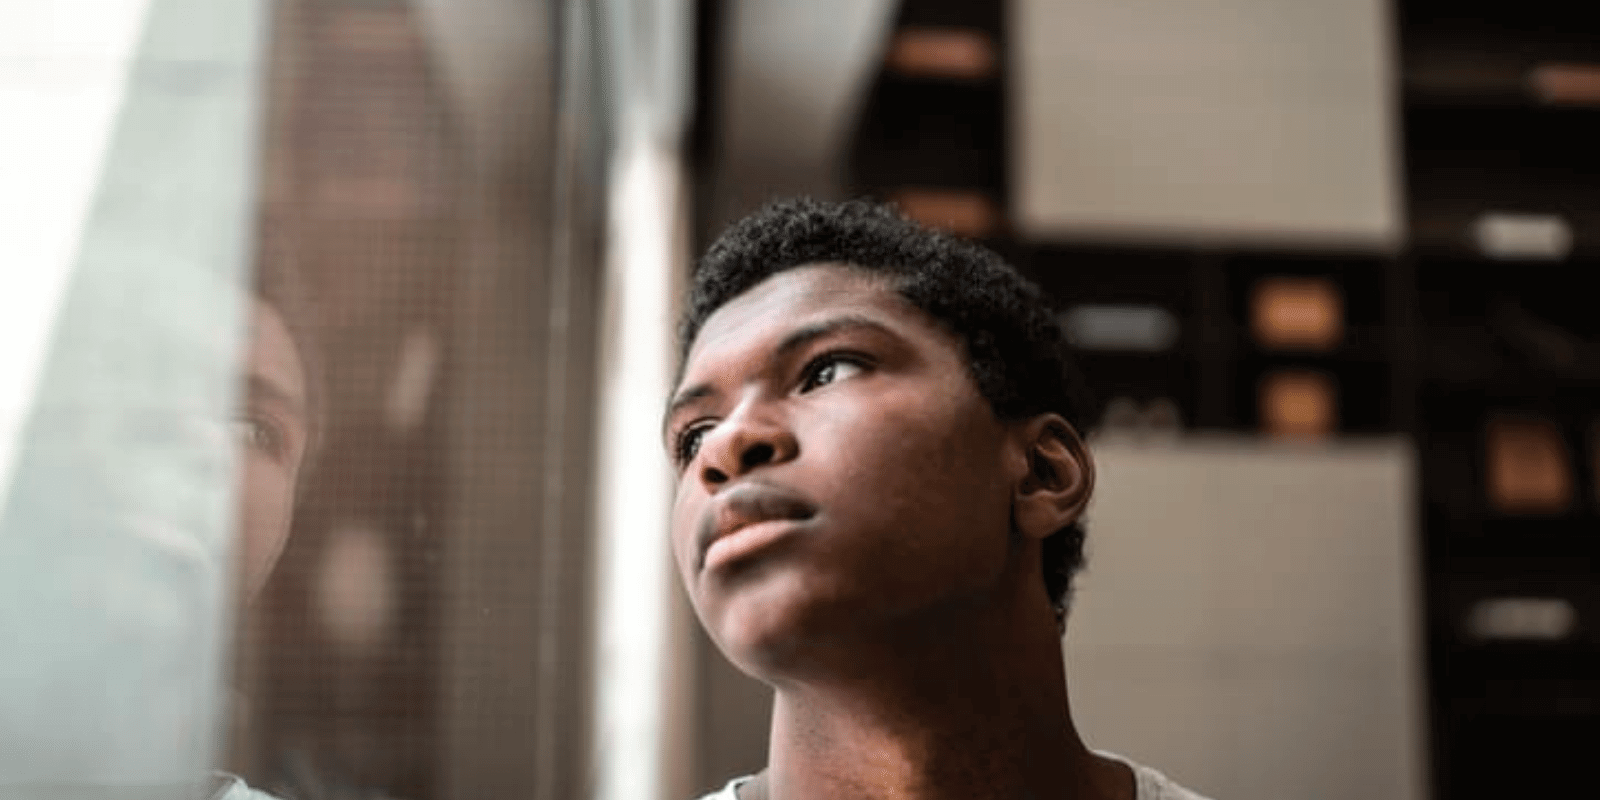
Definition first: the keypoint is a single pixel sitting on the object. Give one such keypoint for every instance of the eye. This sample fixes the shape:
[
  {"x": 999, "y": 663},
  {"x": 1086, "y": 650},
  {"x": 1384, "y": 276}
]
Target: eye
[
  {"x": 687, "y": 443},
  {"x": 259, "y": 434},
  {"x": 829, "y": 368}
]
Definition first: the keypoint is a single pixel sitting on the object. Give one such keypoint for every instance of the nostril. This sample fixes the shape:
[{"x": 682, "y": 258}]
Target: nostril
[
  {"x": 714, "y": 475},
  {"x": 756, "y": 455}
]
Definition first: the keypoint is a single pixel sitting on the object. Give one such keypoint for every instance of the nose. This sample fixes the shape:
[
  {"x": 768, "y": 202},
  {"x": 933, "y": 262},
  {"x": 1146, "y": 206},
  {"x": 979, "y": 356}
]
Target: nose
[{"x": 744, "y": 442}]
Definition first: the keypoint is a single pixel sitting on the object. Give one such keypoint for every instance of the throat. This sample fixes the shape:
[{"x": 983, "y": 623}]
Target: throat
[{"x": 972, "y": 724}]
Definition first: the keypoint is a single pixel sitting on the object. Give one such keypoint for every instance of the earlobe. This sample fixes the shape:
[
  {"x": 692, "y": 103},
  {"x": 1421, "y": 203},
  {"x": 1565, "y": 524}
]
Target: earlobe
[{"x": 1059, "y": 480}]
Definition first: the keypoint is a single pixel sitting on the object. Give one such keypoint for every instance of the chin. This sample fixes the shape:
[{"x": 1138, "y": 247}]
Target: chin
[{"x": 776, "y": 629}]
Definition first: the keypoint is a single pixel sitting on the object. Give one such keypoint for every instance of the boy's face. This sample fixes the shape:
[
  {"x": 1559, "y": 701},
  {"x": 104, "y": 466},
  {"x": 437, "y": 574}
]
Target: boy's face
[
  {"x": 273, "y": 430},
  {"x": 838, "y": 468}
]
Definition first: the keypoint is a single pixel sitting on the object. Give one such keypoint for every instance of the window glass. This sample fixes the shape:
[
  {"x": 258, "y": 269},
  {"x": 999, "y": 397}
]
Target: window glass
[{"x": 295, "y": 410}]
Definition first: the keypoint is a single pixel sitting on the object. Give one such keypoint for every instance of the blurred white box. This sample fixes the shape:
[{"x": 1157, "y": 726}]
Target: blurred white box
[
  {"x": 1239, "y": 122},
  {"x": 1249, "y": 620}
]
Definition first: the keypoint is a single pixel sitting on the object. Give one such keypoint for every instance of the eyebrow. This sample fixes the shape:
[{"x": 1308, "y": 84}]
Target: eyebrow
[
  {"x": 796, "y": 339},
  {"x": 260, "y": 386}
]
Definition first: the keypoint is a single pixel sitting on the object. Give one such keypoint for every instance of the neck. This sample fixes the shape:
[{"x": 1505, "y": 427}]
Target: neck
[{"x": 974, "y": 710}]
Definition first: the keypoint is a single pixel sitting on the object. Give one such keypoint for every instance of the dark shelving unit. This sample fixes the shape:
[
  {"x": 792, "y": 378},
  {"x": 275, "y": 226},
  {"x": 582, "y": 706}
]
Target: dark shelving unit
[
  {"x": 1485, "y": 316},
  {"x": 1505, "y": 337}
]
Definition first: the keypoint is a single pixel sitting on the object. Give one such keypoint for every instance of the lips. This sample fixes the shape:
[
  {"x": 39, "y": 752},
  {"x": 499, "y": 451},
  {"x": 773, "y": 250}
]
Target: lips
[{"x": 745, "y": 505}]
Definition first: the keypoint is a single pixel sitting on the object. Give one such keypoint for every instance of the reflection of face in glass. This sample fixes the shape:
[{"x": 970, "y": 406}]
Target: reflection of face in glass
[{"x": 273, "y": 431}]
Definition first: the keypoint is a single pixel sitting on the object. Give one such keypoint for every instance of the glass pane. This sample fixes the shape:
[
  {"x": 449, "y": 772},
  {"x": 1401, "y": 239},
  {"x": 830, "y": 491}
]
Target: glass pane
[{"x": 295, "y": 416}]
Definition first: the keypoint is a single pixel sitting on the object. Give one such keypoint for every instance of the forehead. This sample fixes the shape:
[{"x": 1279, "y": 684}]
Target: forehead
[
  {"x": 795, "y": 297},
  {"x": 273, "y": 357}
]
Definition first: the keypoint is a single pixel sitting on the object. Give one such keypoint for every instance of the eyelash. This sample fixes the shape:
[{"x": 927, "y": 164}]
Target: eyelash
[
  {"x": 686, "y": 438},
  {"x": 815, "y": 366},
  {"x": 686, "y": 445},
  {"x": 273, "y": 442}
]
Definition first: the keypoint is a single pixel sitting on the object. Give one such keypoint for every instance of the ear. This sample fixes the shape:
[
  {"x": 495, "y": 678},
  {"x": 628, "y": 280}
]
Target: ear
[{"x": 1059, "y": 480}]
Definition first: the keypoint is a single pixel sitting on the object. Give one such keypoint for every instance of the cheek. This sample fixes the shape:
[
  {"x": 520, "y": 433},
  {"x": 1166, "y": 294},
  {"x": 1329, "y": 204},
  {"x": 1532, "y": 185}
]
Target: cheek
[
  {"x": 266, "y": 507},
  {"x": 685, "y": 519},
  {"x": 918, "y": 513},
  {"x": 917, "y": 466}
]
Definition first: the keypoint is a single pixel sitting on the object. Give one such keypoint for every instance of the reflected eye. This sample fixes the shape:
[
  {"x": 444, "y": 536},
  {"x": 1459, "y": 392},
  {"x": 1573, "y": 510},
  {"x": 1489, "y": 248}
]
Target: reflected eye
[
  {"x": 260, "y": 435},
  {"x": 830, "y": 368},
  {"x": 687, "y": 444}
]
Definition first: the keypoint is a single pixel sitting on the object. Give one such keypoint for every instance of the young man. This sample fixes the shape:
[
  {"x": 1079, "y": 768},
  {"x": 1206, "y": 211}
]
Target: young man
[{"x": 880, "y": 481}]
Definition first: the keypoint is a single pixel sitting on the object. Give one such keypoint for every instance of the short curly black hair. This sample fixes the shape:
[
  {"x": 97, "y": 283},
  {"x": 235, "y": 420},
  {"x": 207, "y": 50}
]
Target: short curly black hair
[{"x": 1014, "y": 347}]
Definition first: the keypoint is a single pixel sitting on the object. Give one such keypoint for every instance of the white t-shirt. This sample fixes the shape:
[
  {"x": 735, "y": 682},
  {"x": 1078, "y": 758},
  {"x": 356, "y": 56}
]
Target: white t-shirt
[
  {"x": 1148, "y": 784},
  {"x": 231, "y": 788},
  {"x": 1151, "y": 785}
]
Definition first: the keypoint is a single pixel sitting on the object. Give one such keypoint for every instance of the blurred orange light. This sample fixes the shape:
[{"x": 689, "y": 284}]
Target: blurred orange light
[
  {"x": 1297, "y": 313},
  {"x": 964, "y": 213},
  {"x": 1566, "y": 84},
  {"x": 943, "y": 53},
  {"x": 1528, "y": 471},
  {"x": 1298, "y": 404}
]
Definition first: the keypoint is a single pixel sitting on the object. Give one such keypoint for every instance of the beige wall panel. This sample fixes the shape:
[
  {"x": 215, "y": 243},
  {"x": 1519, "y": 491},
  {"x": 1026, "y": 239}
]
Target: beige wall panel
[
  {"x": 1234, "y": 121},
  {"x": 1248, "y": 620}
]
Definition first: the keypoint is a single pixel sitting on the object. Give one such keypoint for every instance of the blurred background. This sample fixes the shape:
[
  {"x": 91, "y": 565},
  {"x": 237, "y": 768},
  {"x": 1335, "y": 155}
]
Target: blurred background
[{"x": 337, "y": 332}]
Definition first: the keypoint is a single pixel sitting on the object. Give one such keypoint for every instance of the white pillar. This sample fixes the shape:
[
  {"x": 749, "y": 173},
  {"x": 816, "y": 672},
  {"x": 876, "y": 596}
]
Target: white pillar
[{"x": 643, "y": 695}]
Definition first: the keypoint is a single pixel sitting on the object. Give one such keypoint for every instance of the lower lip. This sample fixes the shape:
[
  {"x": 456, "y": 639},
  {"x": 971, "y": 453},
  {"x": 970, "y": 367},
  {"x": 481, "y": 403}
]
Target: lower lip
[{"x": 747, "y": 541}]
